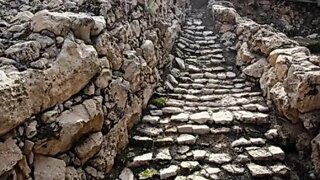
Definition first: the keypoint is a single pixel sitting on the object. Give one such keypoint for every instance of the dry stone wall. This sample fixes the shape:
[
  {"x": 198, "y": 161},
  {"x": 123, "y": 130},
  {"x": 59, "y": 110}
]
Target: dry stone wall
[
  {"x": 74, "y": 78},
  {"x": 288, "y": 74}
]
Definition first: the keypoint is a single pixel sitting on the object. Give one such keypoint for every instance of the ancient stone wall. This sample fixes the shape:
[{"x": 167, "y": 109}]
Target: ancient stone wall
[
  {"x": 288, "y": 74},
  {"x": 74, "y": 78}
]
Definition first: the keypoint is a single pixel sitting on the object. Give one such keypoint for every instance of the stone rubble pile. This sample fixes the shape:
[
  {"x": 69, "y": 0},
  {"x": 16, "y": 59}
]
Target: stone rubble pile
[
  {"x": 213, "y": 124},
  {"x": 74, "y": 77},
  {"x": 289, "y": 75}
]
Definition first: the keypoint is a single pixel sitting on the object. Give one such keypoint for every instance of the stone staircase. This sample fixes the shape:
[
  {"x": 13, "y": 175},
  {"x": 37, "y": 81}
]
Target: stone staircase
[{"x": 214, "y": 125}]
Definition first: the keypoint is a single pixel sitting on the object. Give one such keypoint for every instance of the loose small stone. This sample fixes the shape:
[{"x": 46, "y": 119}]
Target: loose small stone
[
  {"x": 200, "y": 118},
  {"x": 186, "y": 139},
  {"x": 222, "y": 117},
  {"x": 233, "y": 168},
  {"x": 259, "y": 171},
  {"x": 190, "y": 165},
  {"x": 141, "y": 160},
  {"x": 220, "y": 158},
  {"x": 183, "y": 149},
  {"x": 151, "y": 119},
  {"x": 271, "y": 134},
  {"x": 199, "y": 154},
  {"x": 126, "y": 174},
  {"x": 171, "y": 171},
  {"x": 183, "y": 117},
  {"x": 240, "y": 142},
  {"x": 164, "y": 154},
  {"x": 277, "y": 152}
]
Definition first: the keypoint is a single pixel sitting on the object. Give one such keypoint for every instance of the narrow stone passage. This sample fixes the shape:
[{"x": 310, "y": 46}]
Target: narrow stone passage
[{"x": 214, "y": 125}]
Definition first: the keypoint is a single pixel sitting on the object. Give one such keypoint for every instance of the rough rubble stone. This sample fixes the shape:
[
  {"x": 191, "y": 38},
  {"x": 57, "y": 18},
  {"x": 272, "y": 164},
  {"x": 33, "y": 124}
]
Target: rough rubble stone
[
  {"x": 224, "y": 14},
  {"x": 244, "y": 55},
  {"x": 80, "y": 120},
  {"x": 126, "y": 174},
  {"x": 287, "y": 51},
  {"x": 222, "y": 117},
  {"x": 265, "y": 41},
  {"x": 190, "y": 165},
  {"x": 276, "y": 152},
  {"x": 89, "y": 147},
  {"x": 259, "y": 171},
  {"x": 186, "y": 139},
  {"x": 81, "y": 24},
  {"x": 10, "y": 155},
  {"x": 33, "y": 90},
  {"x": 24, "y": 52},
  {"x": 200, "y": 118},
  {"x": 180, "y": 117},
  {"x": 164, "y": 154},
  {"x": 233, "y": 168},
  {"x": 141, "y": 160},
  {"x": 256, "y": 69},
  {"x": 49, "y": 168},
  {"x": 220, "y": 158},
  {"x": 106, "y": 47},
  {"x": 169, "y": 172}
]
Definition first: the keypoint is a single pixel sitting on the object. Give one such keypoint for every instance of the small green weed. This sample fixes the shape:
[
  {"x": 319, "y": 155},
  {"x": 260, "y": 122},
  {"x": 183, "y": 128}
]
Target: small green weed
[
  {"x": 159, "y": 102},
  {"x": 148, "y": 173}
]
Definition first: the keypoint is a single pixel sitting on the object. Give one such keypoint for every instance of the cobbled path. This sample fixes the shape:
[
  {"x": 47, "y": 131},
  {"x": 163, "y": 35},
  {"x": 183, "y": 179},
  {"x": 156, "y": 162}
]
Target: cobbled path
[{"x": 213, "y": 126}]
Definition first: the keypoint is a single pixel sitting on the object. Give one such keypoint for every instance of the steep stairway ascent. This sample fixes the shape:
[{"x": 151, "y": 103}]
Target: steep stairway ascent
[{"x": 214, "y": 125}]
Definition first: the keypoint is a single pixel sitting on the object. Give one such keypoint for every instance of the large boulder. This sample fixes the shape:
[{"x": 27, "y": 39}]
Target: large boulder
[
  {"x": 286, "y": 51},
  {"x": 23, "y": 94},
  {"x": 256, "y": 69},
  {"x": 76, "y": 122},
  {"x": 57, "y": 23},
  {"x": 89, "y": 147},
  {"x": 265, "y": 41},
  {"x": 244, "y": 55},
  {"x": 83, "y": 25},
  {"x": 225, "y": 14}
]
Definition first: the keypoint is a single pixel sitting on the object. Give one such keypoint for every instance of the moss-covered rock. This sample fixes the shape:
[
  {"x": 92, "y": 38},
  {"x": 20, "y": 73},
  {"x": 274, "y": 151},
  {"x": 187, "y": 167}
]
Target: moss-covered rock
[
  {"x": 148, "y": 174},
  {"x": 159, "y": 102}
]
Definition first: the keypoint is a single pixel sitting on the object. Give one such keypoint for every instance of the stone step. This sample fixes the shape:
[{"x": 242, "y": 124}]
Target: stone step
[
  {"x": 198, "y": 38},
  {"x": 200, "y": 52},
  {"x": 198, "y": 44},
  {"x": 207, "y": 91},
  {"x": 231, "y": 96}
]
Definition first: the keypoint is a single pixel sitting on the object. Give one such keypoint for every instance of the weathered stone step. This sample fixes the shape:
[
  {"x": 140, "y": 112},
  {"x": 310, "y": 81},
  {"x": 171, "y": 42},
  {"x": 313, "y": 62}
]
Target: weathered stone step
[
  {"x": 193, "y": 30},
  {"x": 198, "y": 38},
  {"x": 198, "y": 44},
  {"x": 193, "y": 27},
  {"x": 201, "y": 52},
  {"x": 239, "y": 97},
  {"x": 207, "y": 91},
  {"x": 196, "y": 69},
  {"x": 211, "y": 42}
]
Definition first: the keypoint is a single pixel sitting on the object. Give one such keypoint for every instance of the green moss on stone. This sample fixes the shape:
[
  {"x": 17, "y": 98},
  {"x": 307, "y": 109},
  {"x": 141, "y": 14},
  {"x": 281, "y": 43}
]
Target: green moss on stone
[
  {"x": 148, "y": 174},
  {"x": 159, "y": 102}
]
